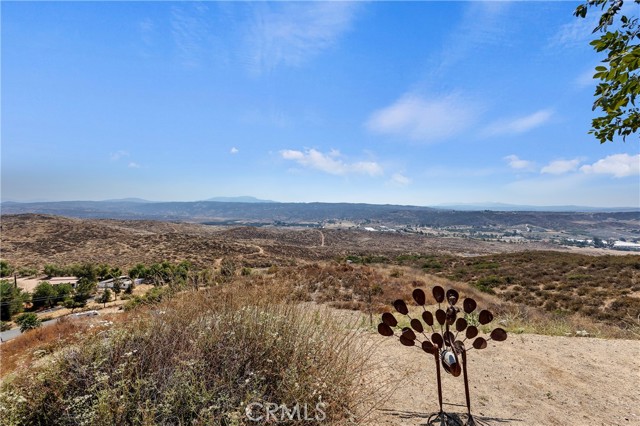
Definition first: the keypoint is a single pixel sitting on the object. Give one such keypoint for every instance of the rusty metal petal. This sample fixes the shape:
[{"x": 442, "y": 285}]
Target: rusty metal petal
[
  {"x": 401, "y": 306},
  {"x": 389, "y": 319},
  {"x": 385, "y": 330},
  {"x": 485, "y": 317},
  {"x": 441, "y": 316},
  {"x": 436, "y": 338},
  {"x": 408, "y": 333},
  {"x": 438, "y": 293},
  {"x": 429, "y": 348},
  {"x": 452, "y": 296},
  {"x": 428, "y": 318},
  {"x": 472, "y": 332},
  {"x": 419, "y": 296},
  {"x": 480, "y": 343},
  {"x": 499, "y": 335},
  {"x": 407, "y": 342},
  {"x": 461, "y": 324},
  {"x": 417, "y": 325},
  {"x": 459, "y": 345},
  {"x": 469, "y": 305}
]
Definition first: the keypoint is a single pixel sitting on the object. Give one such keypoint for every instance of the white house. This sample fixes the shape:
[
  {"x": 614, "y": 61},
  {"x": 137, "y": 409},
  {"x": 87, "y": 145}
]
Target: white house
[{"x": 125, "y": 282}]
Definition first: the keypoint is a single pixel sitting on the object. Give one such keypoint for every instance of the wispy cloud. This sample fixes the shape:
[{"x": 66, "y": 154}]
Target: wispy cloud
[
  {"x": 115, "y": 156},
  {"x": 134, "y": 165},
  {"x": 519, "y": 124},
  {"x": 400, "y": 180},
  {"x": 190, "y": 30},
  {"x": 519, "y": 164},
  {"x": 422, "y": 119},
  {"x": 617, "y": 165},
  {"x": 289, "y": 34},
  {"x": 234, "y": 150},
  {"x": 331, "y": 162},
  {"x": 576, "y": 32},
  {"x": 585, "y": 79},
  {"x": 483, "y": 23},
  {"x": 559, "y": 167}
]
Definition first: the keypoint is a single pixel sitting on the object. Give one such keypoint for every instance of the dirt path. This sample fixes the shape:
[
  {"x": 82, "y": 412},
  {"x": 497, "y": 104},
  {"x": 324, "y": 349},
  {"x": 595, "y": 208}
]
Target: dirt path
[
  {"x": 526, "y": 380},
  {"x": 321, "y": 238}
]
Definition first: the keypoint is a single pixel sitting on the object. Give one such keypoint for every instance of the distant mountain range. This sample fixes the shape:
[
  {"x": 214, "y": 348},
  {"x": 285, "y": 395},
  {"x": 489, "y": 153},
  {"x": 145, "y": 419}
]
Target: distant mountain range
[
  {"x": 270, "y": 213},
  {"x": 242, "y": 199},
  {"x": 503, "y": 207}
]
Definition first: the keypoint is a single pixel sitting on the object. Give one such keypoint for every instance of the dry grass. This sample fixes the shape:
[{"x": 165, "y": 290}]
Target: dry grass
[{"x": 198, "y": 358}]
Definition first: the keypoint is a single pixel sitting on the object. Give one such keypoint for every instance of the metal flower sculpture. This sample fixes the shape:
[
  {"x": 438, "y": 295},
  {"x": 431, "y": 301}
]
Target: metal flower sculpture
[{"x": 446, "y": 342}]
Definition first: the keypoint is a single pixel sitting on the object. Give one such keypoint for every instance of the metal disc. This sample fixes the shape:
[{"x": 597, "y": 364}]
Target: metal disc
[
  {"x": 469, "y": 305},
  {"x": 499, "y": 335},
  {"x": 472, "y": 332},
  {"x": 485, "y": 317},
  {"x": 459, "y": 346},
  {"x": 461, "y": 324},
  {"x": 428, "y": 347},
  {"x": 385, "y": 330},
  {"x": 438, "y": 293},
  {"x": 428, "y": 318},
  {"x": 407, "y": 342},
  {"x": 441, "y": 316},
  {"x": 480, "y": 343},
  {"x": 408, "y": 333},
  {"x": 417, "y": 325},
  {"x": 389, "y": 319},
  {"x": 401, "y": 306},
  {"x": 436, "y": 338},
  {"x": 419, "y": 296},
  {"x": 452, "y": 296}
]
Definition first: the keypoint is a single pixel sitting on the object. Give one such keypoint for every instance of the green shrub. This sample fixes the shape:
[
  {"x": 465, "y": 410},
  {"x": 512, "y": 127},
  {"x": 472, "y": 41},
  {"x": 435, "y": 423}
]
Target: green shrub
[{"x": 28, "y": 321}]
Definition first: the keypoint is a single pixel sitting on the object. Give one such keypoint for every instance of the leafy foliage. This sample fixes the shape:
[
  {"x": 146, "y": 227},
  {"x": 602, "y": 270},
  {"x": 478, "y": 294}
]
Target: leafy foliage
[
  {"x": 619, "y": 80},
  {"x": 28, "y": 321},
  {"x": 12, "y": 300}
]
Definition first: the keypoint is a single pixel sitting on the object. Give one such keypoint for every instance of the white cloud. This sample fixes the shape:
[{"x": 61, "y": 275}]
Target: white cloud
[
  {"x": 560, "y": 167},
  {"x": 115, "y": 156},
  {"x": 400, "y": 179},
  {"x": 517, "y": 163},
  {"x": 288, "y": 34},
  {"x": 585, "y": 79},
  {"x": 425, "y": 120},
  {"x": 134, "y": 165},
  {"x": 331, "y": 163},
  {"x": 617, "y": 165},
  {"x": 234, "y": 150},
  {"x": 520, "y": 124},
  {"x": 577, "y": 32}
]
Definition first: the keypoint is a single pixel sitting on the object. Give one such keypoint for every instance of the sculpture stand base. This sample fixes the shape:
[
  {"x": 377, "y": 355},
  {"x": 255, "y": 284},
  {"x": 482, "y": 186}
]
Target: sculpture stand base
[{"x": 449, "y": 419}]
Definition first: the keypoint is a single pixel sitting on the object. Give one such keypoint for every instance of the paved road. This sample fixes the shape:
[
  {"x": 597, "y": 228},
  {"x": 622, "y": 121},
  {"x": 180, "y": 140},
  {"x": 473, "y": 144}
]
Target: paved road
[{"x": 15, "y": 332}]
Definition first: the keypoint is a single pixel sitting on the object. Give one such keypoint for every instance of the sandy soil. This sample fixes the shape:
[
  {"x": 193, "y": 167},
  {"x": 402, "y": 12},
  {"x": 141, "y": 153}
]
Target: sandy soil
[{"x": 526, "y": 380}]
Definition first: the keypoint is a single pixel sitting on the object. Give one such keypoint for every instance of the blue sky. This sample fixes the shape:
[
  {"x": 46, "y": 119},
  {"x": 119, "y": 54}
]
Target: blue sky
[{"x": 416, "y": 103}]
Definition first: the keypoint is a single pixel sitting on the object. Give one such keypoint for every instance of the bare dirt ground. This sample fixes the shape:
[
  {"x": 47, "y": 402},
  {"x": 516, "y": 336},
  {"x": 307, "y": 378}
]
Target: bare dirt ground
[{"x": 526, "y": 380}]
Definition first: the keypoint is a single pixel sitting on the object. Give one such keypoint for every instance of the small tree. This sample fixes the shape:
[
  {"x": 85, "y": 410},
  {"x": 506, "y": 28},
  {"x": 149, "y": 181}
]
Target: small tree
[
  {"x": 117, "y": 287},
  {"x": 43, "y": 295},
  {"x": 28, "y": 321},
  {"x": 84, "y": 290},
  {"x": 105, "y": 297},
  {"x": 5, "y": 268},
  {"x": 12, "y": 300}
]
